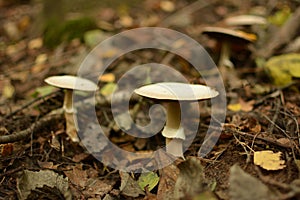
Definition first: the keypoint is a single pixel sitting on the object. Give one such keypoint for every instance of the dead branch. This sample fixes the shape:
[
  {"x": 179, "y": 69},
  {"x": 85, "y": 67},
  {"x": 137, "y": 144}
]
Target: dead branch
[{"x": 14, "y": 137}]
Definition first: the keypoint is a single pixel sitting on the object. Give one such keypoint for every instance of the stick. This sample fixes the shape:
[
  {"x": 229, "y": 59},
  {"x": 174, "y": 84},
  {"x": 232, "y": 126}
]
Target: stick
[{"x": 14, "y": 137}]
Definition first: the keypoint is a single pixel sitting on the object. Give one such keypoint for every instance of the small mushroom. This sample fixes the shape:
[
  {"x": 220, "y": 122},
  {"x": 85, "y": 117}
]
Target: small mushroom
[
  {"x": 227, "y": 37},
  {"x": 69, "y": 84},
  {"x": 245, "y": 20},
  {"x": 172, "y": 93}
]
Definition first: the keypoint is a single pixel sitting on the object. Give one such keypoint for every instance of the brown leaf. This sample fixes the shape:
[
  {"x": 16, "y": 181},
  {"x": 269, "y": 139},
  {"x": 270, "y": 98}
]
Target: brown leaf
[
  {"x": 77, "y": 176},
  {"x": 129, "y": 186},
  {"x": 245, "y": 187},
  {"x": 47, "y": 165},
  {"x": 190, "y": 180},
  {"x": 168, "y": 177}
]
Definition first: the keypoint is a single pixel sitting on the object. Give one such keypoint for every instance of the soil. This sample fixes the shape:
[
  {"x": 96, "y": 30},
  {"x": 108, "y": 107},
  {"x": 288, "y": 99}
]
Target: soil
[{"x": 267, "y": 118}]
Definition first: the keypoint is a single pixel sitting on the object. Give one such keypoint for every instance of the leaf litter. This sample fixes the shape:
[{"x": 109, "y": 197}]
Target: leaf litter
[{"x": 262, "y": 117}]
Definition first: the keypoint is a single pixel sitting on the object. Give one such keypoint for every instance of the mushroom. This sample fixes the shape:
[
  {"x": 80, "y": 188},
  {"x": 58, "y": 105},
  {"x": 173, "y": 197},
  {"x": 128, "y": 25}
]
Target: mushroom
[
  {"x": 245, "y": 20},
  {"x": 172, "y": 93},
  {"x": 71, "y": 83},
  {"x": 227, "y": 37}
]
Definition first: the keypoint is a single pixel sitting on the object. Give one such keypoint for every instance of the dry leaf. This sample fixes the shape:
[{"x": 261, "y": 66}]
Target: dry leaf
[
  {"x": 167, "y": 6},
  {"x": 126, "y": 21},
  {"x": 269, "y": 160},
  {"x": 245, "y": 187},
  {"x": 242, "y": 105},
  {"x": 168, "y": 177},
  {"x": 191, "y": 180},
  {"x": 36, "y": 43},
  {"x": 109, "y": 77},
  {"x": 31, "y": 180},
  {"x": 129, "y": 186}
]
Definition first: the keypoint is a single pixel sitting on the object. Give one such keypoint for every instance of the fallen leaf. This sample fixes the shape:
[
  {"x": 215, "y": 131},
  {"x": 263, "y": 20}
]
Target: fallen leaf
[
  {"x": 129, "y": 186},
  {"x": 43, "y": 91},
  {"x": 123, "y": 121},
  {"x": 149, "y": 179},
  {"x": 6, "y": 149},
  {"x": 167, "y": 6},
  {"x": 96, "y": 186},
  {"x": 31, "y": 180},
  {"x": 283, "y": 68},
  {"x": 108, "y": 89},
  {"x": 8, "y": 89},
  {"x": 126, "y": 21},
  {"x": 243, "y": 186},
  {"x": 168, "y": 177},
  {"x": 109, "y": 77},
  {"x": 281, "y": 16},
  {"x": 36, "y": 43},
  {"x": 235, "y": 107},
  {"x": 191, "y": 181},
  {"x": 94, "y": 37},
  {"x": 285, "y": 141},
  {"x": 269, "y": 160},
  {"x": 47, "y": 165},
  {"x": 77, "y": 176},
  {"x": 242, "y": 105}
]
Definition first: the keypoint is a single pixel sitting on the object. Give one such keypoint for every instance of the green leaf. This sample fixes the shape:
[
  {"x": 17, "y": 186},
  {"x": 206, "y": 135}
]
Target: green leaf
[
  {"x": 280, "y": 17},
  {"x": 94, "y": 37},
  {"x": 43, "y": 91},
  {"x": 108, "y": 89},
  {"x": 283, "y": 68},
  {"x": 149, "y": 179}
]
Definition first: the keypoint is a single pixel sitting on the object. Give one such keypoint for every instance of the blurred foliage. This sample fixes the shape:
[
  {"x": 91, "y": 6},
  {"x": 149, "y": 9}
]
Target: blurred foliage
[
  {"x": 57, "y": 32},
  {"x": 280, "y": 17},
  {"x": 283, "y": 68}
]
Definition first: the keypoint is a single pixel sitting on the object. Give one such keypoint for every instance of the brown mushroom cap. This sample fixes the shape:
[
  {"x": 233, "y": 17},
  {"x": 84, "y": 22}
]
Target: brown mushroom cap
[
  {"x": 176, "y": 91},
  {"x": 71, "y": 82},
  {"x": 229, "y": 34},
  {"x": 245, "y": 20}
]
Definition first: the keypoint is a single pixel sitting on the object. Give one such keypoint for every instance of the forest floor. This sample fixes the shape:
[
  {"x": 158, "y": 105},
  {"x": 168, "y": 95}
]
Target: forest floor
[{"x": 257, "y": 154}]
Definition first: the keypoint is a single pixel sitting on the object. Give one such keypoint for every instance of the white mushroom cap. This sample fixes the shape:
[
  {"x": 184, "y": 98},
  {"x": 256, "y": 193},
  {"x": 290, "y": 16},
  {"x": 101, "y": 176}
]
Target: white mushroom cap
[
  {"x": 244, "y": 20},
  {"x": 71, "y": 82},
  {"x": 176, "y": 91}
]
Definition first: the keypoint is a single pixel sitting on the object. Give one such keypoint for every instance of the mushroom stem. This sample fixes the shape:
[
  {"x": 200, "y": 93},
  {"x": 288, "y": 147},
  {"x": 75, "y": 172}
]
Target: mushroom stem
[
  {"x": 224, "y": 60},
  {"x": 226, "y": 67},
  {"x": 172, "y": 131},
  {"x": 173, "y": 115},
  {"x": 70, "y": 115},
  {"x": 68, "y": 101}
]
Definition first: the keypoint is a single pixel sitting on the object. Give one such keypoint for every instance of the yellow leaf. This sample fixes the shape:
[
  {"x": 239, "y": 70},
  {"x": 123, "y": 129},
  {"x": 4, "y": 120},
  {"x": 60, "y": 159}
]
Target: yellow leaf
[
  {"x": 283, "y": 68},
  {"x": 8, "y": 90},
  {"x": 234, "y": 107},
  {"x": 108, "y": 89},
  {"x": 167, "y": 6},
  {"x": 269, "y": 160},
  {"x": 109, "y": 77}
]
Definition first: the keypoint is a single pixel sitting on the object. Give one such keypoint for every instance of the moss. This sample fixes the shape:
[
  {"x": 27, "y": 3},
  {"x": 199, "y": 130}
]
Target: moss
[{"x": 56, "y": 32}]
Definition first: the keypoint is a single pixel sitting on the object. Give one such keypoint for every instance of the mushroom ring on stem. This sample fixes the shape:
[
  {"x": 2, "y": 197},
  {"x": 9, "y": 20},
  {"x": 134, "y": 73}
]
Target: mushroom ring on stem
[
  {"x": 172, "y": 93},
  {"x": 69, "y": 84}
]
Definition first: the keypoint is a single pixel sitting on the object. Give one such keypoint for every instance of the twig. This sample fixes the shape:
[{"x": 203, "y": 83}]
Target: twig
[
  {"x": 275, "y": 116},
  {"x": 244, "y": 145},
  {"x": 29, "y": 104},
  {"x": 33, "y": 128}
]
